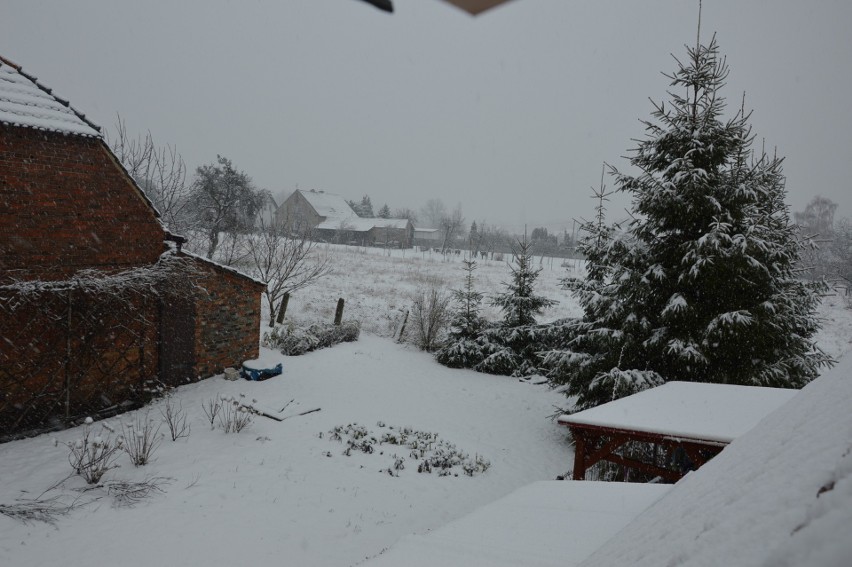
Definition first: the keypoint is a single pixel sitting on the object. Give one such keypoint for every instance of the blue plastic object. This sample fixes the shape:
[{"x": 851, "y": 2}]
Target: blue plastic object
[{"x": 259, "y": 374}]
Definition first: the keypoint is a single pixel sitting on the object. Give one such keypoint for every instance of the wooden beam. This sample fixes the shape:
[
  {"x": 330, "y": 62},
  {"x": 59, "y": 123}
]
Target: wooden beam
[
  {"x": 667, "y": 474},
  {"x": 614, "y": 443},
  {"x": 579, "y": 455}
]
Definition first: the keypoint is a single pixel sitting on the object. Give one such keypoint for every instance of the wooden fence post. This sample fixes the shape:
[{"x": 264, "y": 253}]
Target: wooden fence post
[
  {"x": 402, "y": 327},
  {"x": 338, "y": 314}
]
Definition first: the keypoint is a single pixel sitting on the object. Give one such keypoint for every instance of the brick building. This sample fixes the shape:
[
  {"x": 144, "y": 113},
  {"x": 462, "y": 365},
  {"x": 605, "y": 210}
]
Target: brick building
[{"x": 97, "y": 302}]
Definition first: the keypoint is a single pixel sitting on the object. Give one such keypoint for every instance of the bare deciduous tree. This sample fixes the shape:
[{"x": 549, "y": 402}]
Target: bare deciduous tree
[
  {"x": 286, "y": 264},
  {"x": 432, "y": 212},
  {"x": 160, "y": 171},
  {"x": 405, "y": 213},
  {"x": 430, "y": 309},
  {"x": 451, "y": 226}
]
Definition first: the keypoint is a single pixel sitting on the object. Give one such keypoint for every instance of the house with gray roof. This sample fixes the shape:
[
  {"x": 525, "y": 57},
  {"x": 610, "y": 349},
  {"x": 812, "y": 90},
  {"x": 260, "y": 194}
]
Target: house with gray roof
[{"x": 329, "y": 217}]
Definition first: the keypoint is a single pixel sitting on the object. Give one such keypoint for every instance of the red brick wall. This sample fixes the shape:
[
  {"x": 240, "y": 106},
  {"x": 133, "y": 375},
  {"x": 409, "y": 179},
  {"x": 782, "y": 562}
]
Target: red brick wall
[
  {"x": 65, "y": 204},
  {"x": 227, "y": 330}
]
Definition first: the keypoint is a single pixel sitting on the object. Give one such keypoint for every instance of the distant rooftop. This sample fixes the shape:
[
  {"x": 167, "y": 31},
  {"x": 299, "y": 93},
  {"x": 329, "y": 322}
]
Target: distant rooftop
[
  {"x": 332, "y": 207},
  {"x": 359, "y": 224},
  {"x": 27, "y": 103}
]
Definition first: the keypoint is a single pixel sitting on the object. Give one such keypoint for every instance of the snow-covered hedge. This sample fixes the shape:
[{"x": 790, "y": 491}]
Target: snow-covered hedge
[{"x": 293, "y": 341}]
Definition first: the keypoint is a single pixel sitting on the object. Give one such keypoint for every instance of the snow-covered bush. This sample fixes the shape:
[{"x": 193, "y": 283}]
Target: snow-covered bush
[
  {"x": 91, "y": 456},
  {"x": 428, "y": 450},
  {"x": 293, "y": 341},
  {"x": 140, "y": 438}
]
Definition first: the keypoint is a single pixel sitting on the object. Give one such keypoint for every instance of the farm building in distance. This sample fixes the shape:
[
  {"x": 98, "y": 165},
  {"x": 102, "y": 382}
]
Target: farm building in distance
[
  {"x": 331, "y": 218},
  {"x": 97, "y": 302}
]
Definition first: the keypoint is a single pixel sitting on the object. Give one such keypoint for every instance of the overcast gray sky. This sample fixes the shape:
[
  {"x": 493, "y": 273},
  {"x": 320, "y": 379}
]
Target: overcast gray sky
[{"x": 510, "y": 113}]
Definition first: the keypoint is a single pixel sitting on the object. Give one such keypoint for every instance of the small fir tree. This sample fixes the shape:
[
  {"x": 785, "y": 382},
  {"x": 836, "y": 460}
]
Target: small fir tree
[
  {"x": 384, "y": 212},
  {"x": 700, "y": 286},
  {"x": 519, "y": 303},
  {"x": 461, "y": 349},
  {"x": 467, "y": 321}
]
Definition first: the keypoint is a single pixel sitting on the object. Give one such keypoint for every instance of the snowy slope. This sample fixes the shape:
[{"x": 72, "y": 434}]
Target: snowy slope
[
  {"x": 779, "y": 495},
  {"x": 544, "y": 524}
]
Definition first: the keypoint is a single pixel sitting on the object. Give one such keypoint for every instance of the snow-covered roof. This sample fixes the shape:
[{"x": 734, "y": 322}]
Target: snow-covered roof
[
  {"x": 358, "y": 224},
  {"x": 708, "y": 412},
  {"x": 222, "y": 267},
  {"x": 780, "y": 495},
  {"x": 26, "y": 102},
  {"x": 328, "y": 205},
  {"x": 547, "y": 523},
  {"x": 425, "y": 230}
]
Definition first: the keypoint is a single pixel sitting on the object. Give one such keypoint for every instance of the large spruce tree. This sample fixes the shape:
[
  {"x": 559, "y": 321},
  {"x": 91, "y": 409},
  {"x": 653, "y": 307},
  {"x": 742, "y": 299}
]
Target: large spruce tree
[{"x": 700, "y": 284}]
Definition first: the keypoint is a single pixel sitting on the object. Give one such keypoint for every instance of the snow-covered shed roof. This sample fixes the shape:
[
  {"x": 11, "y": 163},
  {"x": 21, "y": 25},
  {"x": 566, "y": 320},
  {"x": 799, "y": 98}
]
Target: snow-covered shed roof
[
  {"x": 358, "y": 224},
  {"x": 26, "y": 102},
  {"x": 689, "y": 410},
  {"x": 780, "y": 495},
  {"x": 546, "y": 523},
  {"x": 328, "y": 205}
]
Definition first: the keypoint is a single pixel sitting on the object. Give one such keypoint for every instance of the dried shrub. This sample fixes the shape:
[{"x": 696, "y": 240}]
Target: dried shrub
[
  {"x": 430, "y": 311},
  {"x": 211, "y": 409},
  {"x": 175, "y": 418},
  {"x": 141, "y": 438},
  {"x": 128, "y": 493},
  {"x": 234, "y": 416},
  {"x": 93, "y": 455},
  {"x": 38, "y": 510}
]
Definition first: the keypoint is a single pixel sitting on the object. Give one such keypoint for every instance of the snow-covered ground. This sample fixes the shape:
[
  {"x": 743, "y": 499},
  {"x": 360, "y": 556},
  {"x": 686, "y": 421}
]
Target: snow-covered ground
[{"x": 278, "y": 492}]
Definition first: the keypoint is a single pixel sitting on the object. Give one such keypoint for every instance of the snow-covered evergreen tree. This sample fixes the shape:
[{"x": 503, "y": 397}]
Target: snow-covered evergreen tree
[
  {"x": 700, "y": 286},
  {"x": 519, "y": 302},
  {"x": 461, "y": 349}
]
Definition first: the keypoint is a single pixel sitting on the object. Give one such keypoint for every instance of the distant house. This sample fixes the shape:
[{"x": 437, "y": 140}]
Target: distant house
[
  {"x": 331, "y": 218},
  {"x": 304, "y": 210},
  {"x": 98, "y": 305},
  {"x": 428, "y": 237}
]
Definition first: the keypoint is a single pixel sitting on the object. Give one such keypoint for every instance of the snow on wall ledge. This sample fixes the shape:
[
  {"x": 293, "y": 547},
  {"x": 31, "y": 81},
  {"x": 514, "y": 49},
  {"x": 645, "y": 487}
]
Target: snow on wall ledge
[{"x": 779, "y": 495}]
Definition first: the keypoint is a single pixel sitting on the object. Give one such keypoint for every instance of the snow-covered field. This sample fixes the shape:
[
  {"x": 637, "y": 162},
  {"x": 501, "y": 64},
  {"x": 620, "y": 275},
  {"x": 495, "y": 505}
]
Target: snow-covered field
[
  {"x": 377, "y": 287},
  {"x": 281, "y": 493}
]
